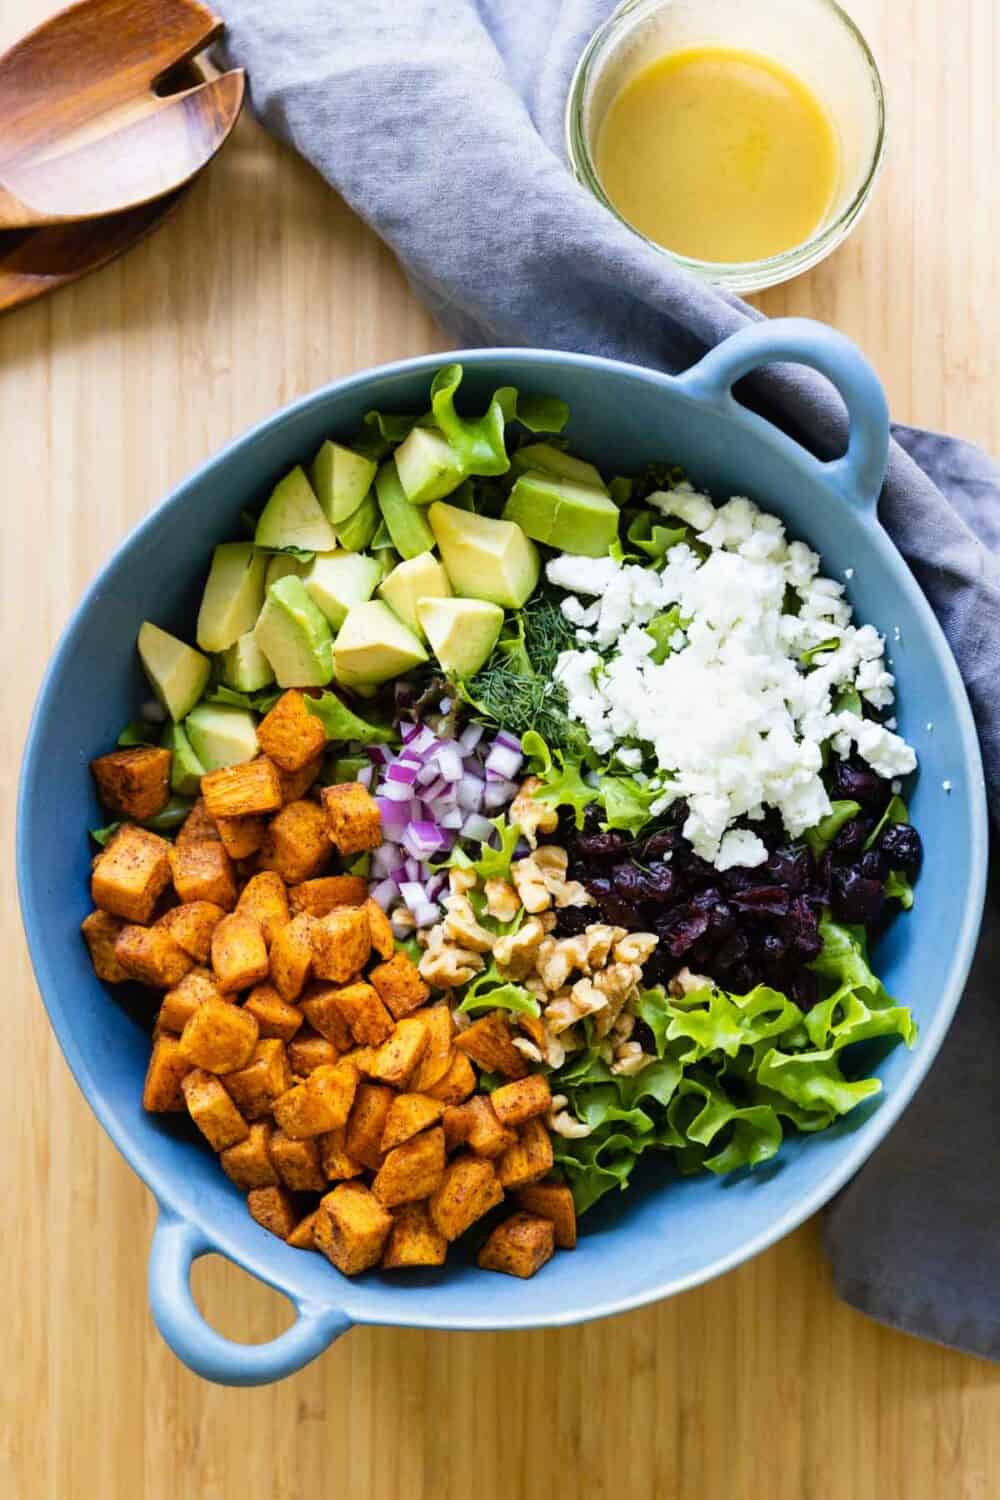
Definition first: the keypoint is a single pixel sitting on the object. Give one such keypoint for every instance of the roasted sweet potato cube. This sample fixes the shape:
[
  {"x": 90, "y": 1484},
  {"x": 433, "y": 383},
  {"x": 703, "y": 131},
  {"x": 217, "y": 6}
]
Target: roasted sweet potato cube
[
  {"x": 529, "y": 1158},
  {"x": 399, "y": 985},
  {"x": 322, "y": 896},
  {"x": 274, "y": 1016},
  {"x": 475, "y": 1124},
  {"x": 516, "y": 1102},
  {"x": 366, "y": 1125},
  {"x": 180, "y": 1003},
  {"x": 367, "y": 1017},
  {"x": 198, "y": 827},
  {"x": 266, "y": 1077},
  {"x": 342, "y": 943},
  {"x": 100, "y": 932},
  {"x": 320, "y": 1104},
  {"x": 552, "y": 1201},
  {"x": 457, "y": 1082},
  {"x": 351, "y": 1228},
  {"x": 133, "y": 783},
  {"x": 292, "y": 957},
  {"x": 241, "y": 837},
  {"x": 297, "y": 1163},
  {"x": 398, "y": 1056},
  {"x": 212, "y": 1110},
  {"x": 219, "y": 1037},
  {"x": 296, "y": 843},
  {"x": 413, "y": 1240},
  {"x": 337, "y": 1164},
  {"x": 352, "y": 818},
  {"x": 167, "y": 1070},
  {"x": 409, "y": 1114},
  {"x": 301, "y": 1237},
  {"x": 248, "y": 1164},
  {"x": 468, "y": 1189},
  {"x": 244, "y": 791},
  {"x": 274, "y": 1210},
  {"x": 290, "y": 735},
  {"x": 131, "y": 873},
  {"x": 191, "y": 925},
  {"x": 519, "y": 1246},
  {"x": 413, "y": 1170},
  {"x": 310, "y": 1051},
  {"x": 362, "y": 1057},
  {"x": 239, "y": 953},
  {"x": 383, "y": 942},
  {"x": 204, "y": 872},
  {"x": 150, "y": 955},
  {"x": 490, "y": 1045},
  {"x": 320, "y": 1008},
  {"x": 534, "y": 1029},
  {"x": 295, "y": 784},
  {"x": 436, "y": 1060},
  {"x": 265, "y": 898}
]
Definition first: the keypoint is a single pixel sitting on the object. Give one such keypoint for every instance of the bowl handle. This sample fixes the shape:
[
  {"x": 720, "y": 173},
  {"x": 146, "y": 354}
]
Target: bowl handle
[
  {"x": 176, "y": 1245},
  {"x": 859, "y": 474}
]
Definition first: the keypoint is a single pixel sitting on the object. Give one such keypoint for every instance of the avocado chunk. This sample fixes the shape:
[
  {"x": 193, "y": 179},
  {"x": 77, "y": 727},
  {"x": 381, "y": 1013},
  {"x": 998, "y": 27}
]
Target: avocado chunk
[
  {"x": 177, "y": 673},
  {"x": 186, "y": 770},
  {"x": 428, "y": 466},
  {"x": 553, "y": 461},
  {"x": 484, "y": 558},
  {"x": 462, "y": 632},
  {"x": 294, "y": 635},
  {"x": 341, "y": 479},
  {"x": 221, "y": 736},
  {"x": 282, "y": 565},
  {"x": 420, "y": 577},
  {"x": 573, "y": 517},
  {"x": 407, "y": 525},
  {"x": 357, "y": 532},
  {"x": 233, "y": 595},
  {"x": 293, "y": 517},
  {"x": 337, "y": 580},
  {"x": 244, "y": 665},
  {"x": 373, "y": 646}
]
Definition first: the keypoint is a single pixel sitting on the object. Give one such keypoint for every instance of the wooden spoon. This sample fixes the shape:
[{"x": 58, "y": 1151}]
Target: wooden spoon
[{"x": 86, "y": 129}]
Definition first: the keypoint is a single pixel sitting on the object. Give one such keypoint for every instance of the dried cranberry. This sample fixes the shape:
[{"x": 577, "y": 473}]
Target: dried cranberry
[
  {"x": 680, "y": 930},
  {"x": 660, "y": 843},
  {"x": 802, "y": 929},
  {"x": 733, "y": 951},
  {"x": 572, "y": 920},
  {"x": 601, "y": 846},
  {"x": 627, "y": 881},
  {"x": 803, "y": 988},
  {"x": 852, "y": 835},
  {"x": 788, "y": 866},
  {"x": 873, "y": 865},
  {"x": 739, "y": 879},
  {"x": 855, "y": 783},
  {"x": 902, "y": 846},
  {"x": 771, "y": 947},
  {"x": 854, "y": 898},
  {"x": 765, "y": 899}
]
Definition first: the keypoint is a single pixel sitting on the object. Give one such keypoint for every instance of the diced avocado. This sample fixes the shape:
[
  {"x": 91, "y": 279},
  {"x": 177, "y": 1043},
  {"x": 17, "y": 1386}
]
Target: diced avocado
[
  {"x": 573, "y": 517},
  {"x": 341, "y": 479},
  {"x": 484, "y": 558},
  {"x": 428, "y": 466},
  {"x": 233, "y": 595},
  {"x": 186, "y": 770},
  {"x": 336, "y": 580},
  {"x": 281, "y": 565},
  {"x": 407, "y": 525},
  {"x": 221, "y": 736},
  {"x": 462, "y": 632},
  {"x": 373, "y": 646},
  {"x": 177, "y": 673},
  {"x": 244, "y": 665},
  {"x": 293, "y": 517},
  {"x": 356, "y": 533},
  {"x": 294, "y": 635},
  {"x": 420, "y": 577},
  {"x": 553, "y": 461}
]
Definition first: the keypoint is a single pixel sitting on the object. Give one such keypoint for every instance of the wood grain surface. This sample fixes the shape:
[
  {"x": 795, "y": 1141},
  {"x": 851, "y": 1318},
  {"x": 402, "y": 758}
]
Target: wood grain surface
[{"x": 262, "y": 286}]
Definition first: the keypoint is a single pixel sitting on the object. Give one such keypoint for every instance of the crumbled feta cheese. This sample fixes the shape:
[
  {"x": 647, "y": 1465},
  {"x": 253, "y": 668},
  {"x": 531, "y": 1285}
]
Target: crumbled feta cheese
[{"x": 741, "y": 847}]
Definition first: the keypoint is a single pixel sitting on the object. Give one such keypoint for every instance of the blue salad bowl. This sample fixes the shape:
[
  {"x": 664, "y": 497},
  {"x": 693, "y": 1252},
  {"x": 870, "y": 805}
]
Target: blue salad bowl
[{"x": 667, "y": 1233}]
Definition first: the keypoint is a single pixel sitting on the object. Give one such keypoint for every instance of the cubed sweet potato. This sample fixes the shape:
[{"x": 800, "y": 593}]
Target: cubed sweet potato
[
  {"x": 436, "y": 1060},
  {"x": 413, "y": 1240},
  {"x": 295, "y": 784},
  {"x": 265, "y": 1078},
  {"x": 468, "y": 1189},
  {"x": 239, "y": 953},
  {"x": 413, "y": 1170},
  {"x": 490, "y": 1044},
  {"x": 191, "y": 925},
  {"x": 301, "y": 1237},
  {"x": 180, "y": 1003},
  {"x": 292, "y": 957},
  {"x": 383, "y": 942},
  {"x": 320, "y": 1104},
  {"x": 456, "y": 1083},
  {"x": 367, "y": 1017},
  {"x": 322, "y": 896},
  {"x": 290, "y": 735},
  {"x": 337, "y": 1164},
  {"x": 352, "y": 818},
  {"x": 297, "y": 1163},
  {"x": 274, "y": 1210},
  {"x": 150, "y": 955},
  {"x": 100, "y": 932},
  {"x": 309, "y": 1051},
  {"x": 133, "y": 783},
  {"x": 342, "y": 943},
  {"x": 529, "y": 1159},
  {"x": 296, "y": 843},
  {"x": 275, "y": 1017},
  {"x": 409, "y": 1114},
  {"x": 265, "y": 898},
  {"x": 244, "y": 791},
  {"x": 475, "y": 1124},
  {"x": 399, "y": 985},
  {"x": 204, "y": 872},
  {"x": 351, "y": 1228},
  {"x": 168, "y": 1067},
  {"x": 219, "y": 1037},
  {"x": 533, "y": 1027},
  {"x": 198, "y": 827},
  {"x": 248, "y": 1164},
  {"x": 131, "y": 873},
  {"x": 320, "y": 1008},
  {"x": 397, "y": 1058},
  {"x": 366, "y": 1125},
  {"x": 552, "y": 1201},
  {"x": 519, "y": 1246},
  {"x": 523, "y": 1100},
  {"x": 212, "y": 1110},
  {"x": 241, "y": 837}
]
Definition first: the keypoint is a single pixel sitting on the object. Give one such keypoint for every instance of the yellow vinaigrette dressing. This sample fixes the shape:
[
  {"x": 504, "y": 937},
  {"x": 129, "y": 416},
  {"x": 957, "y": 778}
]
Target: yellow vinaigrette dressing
[{"x": 719, "y": 154}]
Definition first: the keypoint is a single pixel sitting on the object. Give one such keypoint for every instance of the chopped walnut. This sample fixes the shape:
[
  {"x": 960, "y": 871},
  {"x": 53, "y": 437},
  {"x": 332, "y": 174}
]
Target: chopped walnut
[
  {"x": 562, "y": 1122},
  {"x": 635, "y": 947},
  {"x": 531, "y": 887},
  {"x": 502, "y": 901},
  {"x": 630, "y": 1059},
  {"x": 618, "y": 983},
  {"x": 554, "y": 963},
  {"x": 527, "y": 1049},
  {"x": 686, "y": 983},
  {"x": 461, "y": 882},
  {"x": 560, "y": 1014},
  {"x": 514, "y": 955},
  {"x": 599, "y": 939},
  {"x": 445, "y": 964},
  {"x": 623, "y": 1027},
  {"x": 530, "y": 816},
  {"x": 572, "y": 893},
  {"x": 460, "y": 925},
  {"x": 548, "y": 920}
]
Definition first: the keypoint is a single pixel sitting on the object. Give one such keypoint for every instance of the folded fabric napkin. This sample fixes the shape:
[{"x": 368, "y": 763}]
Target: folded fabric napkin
[{"x": 440, "y": 123}]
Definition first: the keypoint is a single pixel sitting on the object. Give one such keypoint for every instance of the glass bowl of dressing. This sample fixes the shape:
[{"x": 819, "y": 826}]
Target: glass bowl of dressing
[{"x": 742, "y": 140}]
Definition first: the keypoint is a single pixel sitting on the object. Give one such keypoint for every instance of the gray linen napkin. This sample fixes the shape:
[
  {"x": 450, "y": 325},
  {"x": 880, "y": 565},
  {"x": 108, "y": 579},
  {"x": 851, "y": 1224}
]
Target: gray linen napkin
[{"x": 440, "y": 123}]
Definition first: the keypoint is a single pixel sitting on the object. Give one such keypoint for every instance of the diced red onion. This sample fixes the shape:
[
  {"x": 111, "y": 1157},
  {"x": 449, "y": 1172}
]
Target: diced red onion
[
  {"x": 470, "y": 793},
  {"x": 395, "y": 791},
  {"x": 380, "y": 754},
  {"x": 413, "y": 894},
  {"x": 434, "y": 789},
  {"x": 422, "y": 839},
  {"x": 413, "y": 870},
  {"x": 522, "y": 848},
  {"x": 503, "y": 760},
  {"x": 449, "y": 762},
  {"x": 470, "y": 737},
  {"x": 385, "y": 894},
  {"x": 365, "y": 776},
  {"x": 427, "y": 914},
  {"x": 435, "y": 886},
  {"x": 453, "y": 819},
  {"x": 384, "y": 860},
  {"x": 421, "y": 744},
  {"x": 395, "y": 816},
  {"x": 427, "y": 774},
  {"x": 409, "y": 731},
  {"x": 498, "y": 794},
  {"x": 504, "y": 737},
  {"x": 478, "y": 828}
]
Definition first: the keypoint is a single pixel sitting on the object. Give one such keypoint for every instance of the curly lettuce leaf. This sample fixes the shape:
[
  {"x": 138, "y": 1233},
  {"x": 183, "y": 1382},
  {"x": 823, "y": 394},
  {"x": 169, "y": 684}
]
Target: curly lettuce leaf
[
  {"x": 596, "y": 1164},
  {"x": 647, "y": 533},
  {"x": 560, "y": 777},
  {"x": 663, "y": 628},
  {"x": 493, "y": 863},
  {"x": 257, "y": 703},
  {"x": 703, "y": 1115},
  {"x": 340, "y": 723},
  {"x": 809, "y": 658},
  {"x": 898, "y": 888},
  {"x": 381, "y": 432},
  {"x": 138, "y": 732},
  {"x": 896, "y": 812},
  {"x": 490, "y": 991},
  {"x": 626, "y": 803}
]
